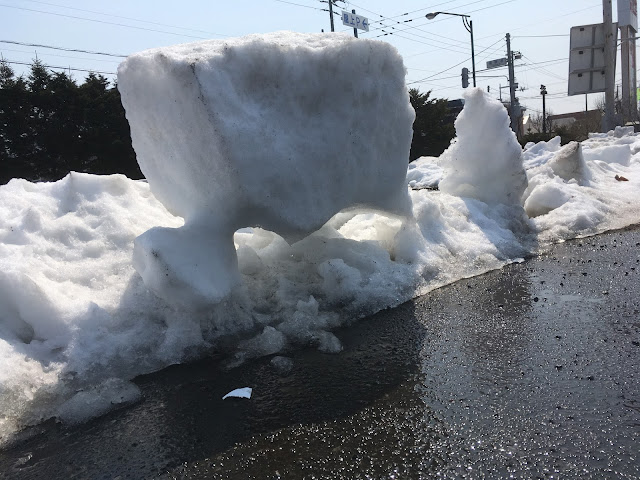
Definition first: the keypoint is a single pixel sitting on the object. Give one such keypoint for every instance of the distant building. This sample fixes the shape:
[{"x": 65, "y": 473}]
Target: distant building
[
  {"x": 590, "y": 119},
  {"x": 454, "y": 107},
  {"x": 586, "y": 117}
]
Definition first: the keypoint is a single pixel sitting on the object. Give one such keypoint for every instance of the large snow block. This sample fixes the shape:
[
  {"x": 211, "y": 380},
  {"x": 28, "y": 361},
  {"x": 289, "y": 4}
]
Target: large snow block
[{"x": 279, "y": 131}]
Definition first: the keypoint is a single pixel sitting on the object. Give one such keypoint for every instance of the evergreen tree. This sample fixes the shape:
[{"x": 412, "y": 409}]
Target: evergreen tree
[
  {"x": 39, "y": 77},
  {"x": 432, "y": 129},
  {"x": 14, "y": 115},
  {"x": 50, "y": 126}
]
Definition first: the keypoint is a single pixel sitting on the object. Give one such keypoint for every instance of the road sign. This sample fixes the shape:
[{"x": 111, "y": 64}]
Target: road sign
[
  {"x": 355, "y": 21},
  {"x": 500, "y": 62}
]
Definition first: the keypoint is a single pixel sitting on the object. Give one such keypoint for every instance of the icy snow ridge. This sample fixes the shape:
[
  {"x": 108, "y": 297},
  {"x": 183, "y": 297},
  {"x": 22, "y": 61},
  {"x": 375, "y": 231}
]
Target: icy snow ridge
[{"x": 279, "y": 131}]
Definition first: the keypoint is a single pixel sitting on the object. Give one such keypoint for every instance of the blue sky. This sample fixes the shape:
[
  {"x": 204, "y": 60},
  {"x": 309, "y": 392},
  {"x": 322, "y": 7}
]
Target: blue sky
[{"x": 434, "y": 51}]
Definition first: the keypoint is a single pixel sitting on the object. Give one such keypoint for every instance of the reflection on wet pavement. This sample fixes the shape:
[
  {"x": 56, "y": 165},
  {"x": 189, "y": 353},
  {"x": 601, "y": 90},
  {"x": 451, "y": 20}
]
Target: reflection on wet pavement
[{"x": 528, "y": 372}]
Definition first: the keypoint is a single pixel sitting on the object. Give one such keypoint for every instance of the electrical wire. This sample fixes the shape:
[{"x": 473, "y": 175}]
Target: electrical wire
[
  {"x": 13, "y": 62},
  {"x": 549, "y": 19},
  {"x": 109, "y": 23},
  {"x": 120, "y": 16},
  {"x": 61, "y": 56},
  {"x": 453, "y": 66},
  {"x": 541, "y": 36},
  {"x": 25, "y": 44},
  {"x": 458, "y": 43},
  {"x": 428, "y": 8},
  {"x": 301, "y": 5},
  {"x": 449, "y": 18}
]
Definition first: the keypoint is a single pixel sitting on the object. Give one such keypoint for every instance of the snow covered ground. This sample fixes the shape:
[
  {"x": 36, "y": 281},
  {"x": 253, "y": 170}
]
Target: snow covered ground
[{"x": 77, "y": 321}]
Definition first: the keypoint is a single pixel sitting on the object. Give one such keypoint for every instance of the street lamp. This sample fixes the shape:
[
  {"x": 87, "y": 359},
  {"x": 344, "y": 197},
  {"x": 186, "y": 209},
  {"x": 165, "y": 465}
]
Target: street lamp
[{"x": 468, "y": 24}]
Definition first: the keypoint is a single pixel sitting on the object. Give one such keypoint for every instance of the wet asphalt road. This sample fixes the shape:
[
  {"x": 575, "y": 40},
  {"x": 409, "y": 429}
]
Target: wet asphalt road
[{"x": 532, "y": 371}]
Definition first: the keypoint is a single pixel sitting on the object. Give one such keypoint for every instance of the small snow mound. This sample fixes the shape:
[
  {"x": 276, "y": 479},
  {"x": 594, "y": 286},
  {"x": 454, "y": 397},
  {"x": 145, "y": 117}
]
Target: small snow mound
[
  {"x": 610, "y": 153},
  {"x": 544, "y": 198},
  {"x": 569, "y": 163},
  {"x": 424, "y": 172},
  {"x": 620, "y": 132}
]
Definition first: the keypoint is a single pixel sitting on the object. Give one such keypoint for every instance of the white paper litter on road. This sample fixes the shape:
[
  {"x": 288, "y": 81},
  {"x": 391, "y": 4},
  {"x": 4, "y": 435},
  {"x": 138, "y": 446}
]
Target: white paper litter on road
[{"x": 239, "y": 393}]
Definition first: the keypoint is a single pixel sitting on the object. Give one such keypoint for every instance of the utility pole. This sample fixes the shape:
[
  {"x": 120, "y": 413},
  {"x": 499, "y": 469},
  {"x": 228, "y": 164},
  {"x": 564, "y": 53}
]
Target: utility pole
[
  {"x": 609, "y": 72},
  {"x": 331, "y": 14},
  {"x": 628, "y": 24},
  {"x": 355, "y": 30},
  {"x": 473, "y": 53},
  {"x": 543, "y": 92},
  {"x": 513, "y": 111},
  {"x": 586, "y": 102}
]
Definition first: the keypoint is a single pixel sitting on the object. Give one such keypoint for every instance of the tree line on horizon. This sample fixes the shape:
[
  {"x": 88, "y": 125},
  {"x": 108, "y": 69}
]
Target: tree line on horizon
[{"x": 50, "y": 125}]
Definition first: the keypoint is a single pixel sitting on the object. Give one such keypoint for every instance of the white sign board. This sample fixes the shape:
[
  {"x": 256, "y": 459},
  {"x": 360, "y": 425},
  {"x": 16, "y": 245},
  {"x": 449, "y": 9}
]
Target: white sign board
[
  {"x": 500, "y": 62},
  {"x": 586, "y": 58},
  {"x": 628, "y": 13},
  {"x": 355, "y": 21}
]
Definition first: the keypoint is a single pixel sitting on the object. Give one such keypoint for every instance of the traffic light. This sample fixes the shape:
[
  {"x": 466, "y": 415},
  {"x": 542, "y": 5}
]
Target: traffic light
[{"x": 465, "y": 77}]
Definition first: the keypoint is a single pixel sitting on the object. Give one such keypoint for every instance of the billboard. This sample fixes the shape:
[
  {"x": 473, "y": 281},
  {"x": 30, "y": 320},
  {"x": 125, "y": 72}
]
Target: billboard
[
  {"x": 628, "y": 13},
  {"x": 586, "y": 58}
]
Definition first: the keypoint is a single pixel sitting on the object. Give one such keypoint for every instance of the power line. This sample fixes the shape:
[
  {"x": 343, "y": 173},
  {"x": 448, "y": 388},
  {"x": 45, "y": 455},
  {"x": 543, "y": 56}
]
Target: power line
[
  {"x": 541, "y": 36},
  {"x": 13, "y": 62},
  {"x": 459, "y": 43},
  {"x": 301, "y": 5},
  {"x": 549, "y": 62},
  {"x": 439, "y": 47},
  {"x": 109, "y": 23},
  {"x": 453, "y": 66},
  {"x": 549, "y": 19},
  {"x": 446, "y": 70},
  {"x": 125, "y": 18},
  {"x": 431, "y": 51},
  {"x": 449, "y": 18},
  {"x": 431, "y": 8},
  {"x": 422, "y": 17},
  {"x": 25, "y": 44},
  {"x": 61, "y": 56},
  {"x": 417, "y": 27}
]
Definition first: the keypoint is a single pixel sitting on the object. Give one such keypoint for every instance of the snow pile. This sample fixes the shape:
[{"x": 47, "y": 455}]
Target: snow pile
[
  {"x": 252, "y": 132},
  {"x": 574, "y": 192},
  {"x": 569, "y": 163},
  {"x": 77, "y": 322},
  {"x": 485, "y": 163},
  {"x": 425, "y": 172},
  {"x": 549, "y": 190}
]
